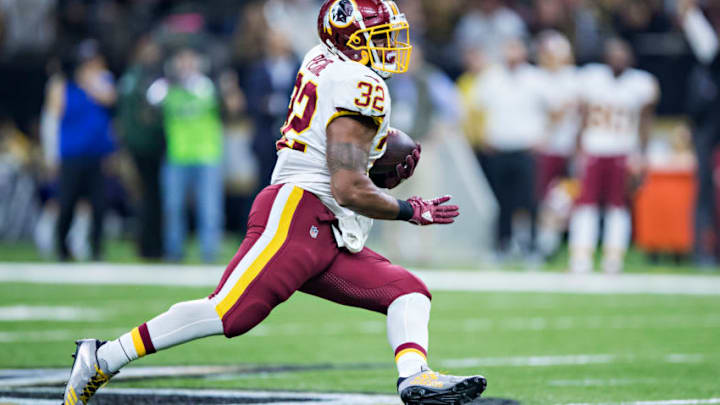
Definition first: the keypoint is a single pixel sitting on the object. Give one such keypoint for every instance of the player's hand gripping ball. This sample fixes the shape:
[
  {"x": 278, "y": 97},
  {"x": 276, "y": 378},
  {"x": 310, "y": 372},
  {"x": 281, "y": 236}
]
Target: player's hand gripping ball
[{"x": 399, "y": 161}]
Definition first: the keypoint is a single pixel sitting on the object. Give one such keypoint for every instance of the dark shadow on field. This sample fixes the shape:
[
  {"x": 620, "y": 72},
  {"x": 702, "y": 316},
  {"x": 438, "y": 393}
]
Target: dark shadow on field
[
  {"x": 163, "y": 399},
  {"x": 166, "y": 398}
]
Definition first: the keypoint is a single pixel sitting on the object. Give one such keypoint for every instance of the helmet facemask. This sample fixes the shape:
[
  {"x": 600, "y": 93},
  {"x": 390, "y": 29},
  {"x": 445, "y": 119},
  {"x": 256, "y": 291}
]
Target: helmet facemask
[
  {"x": 384, "y": 46},
  {"x": 387, "y": 46}
]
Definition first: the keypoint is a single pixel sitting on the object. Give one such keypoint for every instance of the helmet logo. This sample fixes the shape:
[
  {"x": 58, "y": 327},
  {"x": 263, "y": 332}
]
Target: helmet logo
[{"x": 341, "y": 13}]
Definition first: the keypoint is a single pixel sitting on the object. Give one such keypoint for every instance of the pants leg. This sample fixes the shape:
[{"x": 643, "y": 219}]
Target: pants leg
[
  {"x": 209, "y": 199},
  {"x": 549, "y": 167},
  {"x": 96, "y": 194},
  {"x": 69, "y": 191},
  {"x": 289, "y": 242},
  {"x": 368, "y": 280},
  {"x": 615, "y": 175},
  {"x": 498, "y": 171},
  {"x": 524, "y": 196},
  {"x": 591, "y": 182},
  {"x": 175, "y": 181},
  {"x": 150, "y": 216},
  {"x": 364, "y": 280}
]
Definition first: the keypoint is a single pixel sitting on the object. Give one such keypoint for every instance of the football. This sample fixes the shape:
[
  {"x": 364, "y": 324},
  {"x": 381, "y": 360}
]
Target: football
[{"x": 399, "y": 146}]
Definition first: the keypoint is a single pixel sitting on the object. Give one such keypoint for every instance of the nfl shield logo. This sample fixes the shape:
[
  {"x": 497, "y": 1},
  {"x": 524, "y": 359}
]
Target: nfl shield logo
[{"x": 314, "y": 231}]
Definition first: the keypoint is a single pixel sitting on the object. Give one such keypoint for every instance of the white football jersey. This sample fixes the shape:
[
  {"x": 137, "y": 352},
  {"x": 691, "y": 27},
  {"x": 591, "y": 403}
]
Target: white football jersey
[
  {"x": 564, "y": 122},
  {"x": 326, "y": 88},
  {"x": 515, "y": 102},
  {"x": 614, "y": 106}
]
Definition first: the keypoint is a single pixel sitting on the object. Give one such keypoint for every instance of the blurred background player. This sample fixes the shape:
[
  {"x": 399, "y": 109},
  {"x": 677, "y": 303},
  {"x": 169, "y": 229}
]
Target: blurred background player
[
  {"x": 515, "y": 99},
  {"x": 705, "y": 103},
  {"x": 78, "y": 135},
  {"x": 269, "y": 84},
  {"x": 557, "y": 148},
  {"x": 190, "y": 106},
  {"x": 617, "y": 103},
  {"x": 140, "y": 127}
]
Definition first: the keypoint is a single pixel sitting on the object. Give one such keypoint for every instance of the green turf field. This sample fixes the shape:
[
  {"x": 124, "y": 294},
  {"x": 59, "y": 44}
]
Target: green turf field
[{"x": 637, "y": 347}]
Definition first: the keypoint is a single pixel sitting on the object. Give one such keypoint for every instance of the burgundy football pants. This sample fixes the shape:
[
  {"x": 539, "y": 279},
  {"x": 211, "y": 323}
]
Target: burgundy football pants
[
  {"x": 290, "y": 246},
  {"x": 604, "y": 181}
]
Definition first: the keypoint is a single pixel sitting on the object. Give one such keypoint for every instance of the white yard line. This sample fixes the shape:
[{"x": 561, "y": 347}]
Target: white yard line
[
  {"x": 47, "y": 313},
  {"x": 661, "y": 402},
  {"x": 438, "y": 280},
  {"x": 378, "y": 328},
  {"x": 55, "y": 335},
  {"x": 611, "y": 382},
  {"x": 566, "y": 360}
]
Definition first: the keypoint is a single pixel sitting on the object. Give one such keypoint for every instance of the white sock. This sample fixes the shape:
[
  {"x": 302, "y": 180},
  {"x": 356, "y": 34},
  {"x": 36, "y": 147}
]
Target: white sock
[
  {"x": 182, "y": 323},
  {"x": 407, "y": 328},
  {"x": 548, "y": 240},
  {"x": 616, "y": 238},
  {"x": 583, "y": 238}
]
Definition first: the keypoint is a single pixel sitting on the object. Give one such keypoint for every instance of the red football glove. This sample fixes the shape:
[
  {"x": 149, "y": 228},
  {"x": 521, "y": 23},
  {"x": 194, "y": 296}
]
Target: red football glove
[
  {"x": 403, "y": 171},
  {"x": 433, "y": 211}
]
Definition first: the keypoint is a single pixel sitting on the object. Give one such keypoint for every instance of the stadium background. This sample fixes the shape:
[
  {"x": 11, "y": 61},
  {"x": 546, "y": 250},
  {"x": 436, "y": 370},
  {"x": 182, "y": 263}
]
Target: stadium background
[{"x": 537, "y": 343}]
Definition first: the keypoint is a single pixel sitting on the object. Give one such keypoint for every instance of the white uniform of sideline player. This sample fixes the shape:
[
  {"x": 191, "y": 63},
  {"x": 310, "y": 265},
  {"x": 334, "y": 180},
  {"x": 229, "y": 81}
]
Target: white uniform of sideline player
[
  {"x": 617, "y": 102},
  {"x": 559, "y": 145}
]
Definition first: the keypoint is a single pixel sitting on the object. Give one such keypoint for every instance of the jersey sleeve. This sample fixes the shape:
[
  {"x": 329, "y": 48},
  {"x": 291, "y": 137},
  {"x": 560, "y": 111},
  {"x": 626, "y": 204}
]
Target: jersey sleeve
[
  {"x": 357, "y": 92},
  {"x": 646, "y": 88}
]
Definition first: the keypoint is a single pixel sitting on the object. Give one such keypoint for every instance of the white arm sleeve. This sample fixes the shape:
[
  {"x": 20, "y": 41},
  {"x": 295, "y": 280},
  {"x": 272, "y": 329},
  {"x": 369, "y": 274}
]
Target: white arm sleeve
[{"x": 701, "y": 36}]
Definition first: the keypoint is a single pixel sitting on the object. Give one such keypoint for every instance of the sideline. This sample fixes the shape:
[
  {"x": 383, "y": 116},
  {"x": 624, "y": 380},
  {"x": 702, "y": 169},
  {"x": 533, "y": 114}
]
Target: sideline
[{"x": 438, "y": 280}]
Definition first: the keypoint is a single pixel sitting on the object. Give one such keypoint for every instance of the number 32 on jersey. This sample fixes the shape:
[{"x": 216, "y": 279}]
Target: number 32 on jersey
[
  {"x": 371, "y": 96},
  {"x": 303, "y": 106}
]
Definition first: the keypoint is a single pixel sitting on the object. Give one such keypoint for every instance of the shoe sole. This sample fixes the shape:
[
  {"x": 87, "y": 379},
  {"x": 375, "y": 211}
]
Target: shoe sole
[{"x": 461, "y": 393}]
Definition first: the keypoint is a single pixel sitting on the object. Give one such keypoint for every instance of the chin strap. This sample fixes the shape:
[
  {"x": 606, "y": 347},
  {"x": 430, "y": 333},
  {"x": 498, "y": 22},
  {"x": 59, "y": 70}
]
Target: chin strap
[{"x": 333, "y": 50}]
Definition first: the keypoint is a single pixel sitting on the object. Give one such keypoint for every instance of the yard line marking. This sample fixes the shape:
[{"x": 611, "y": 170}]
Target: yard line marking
[
  {"x": 55, "y": 335},
  {"x": 591, "y": 382},
  {"x": 48, "y": 313},
  {"x": 684, "y": 358},
  {"x": 565, "y": 360},
  {"x": 436, "y": 279},
  {"x": 535, "y": 324},
  {"x": 662, "y": 402},
  {"x": 530, "y": 361}
]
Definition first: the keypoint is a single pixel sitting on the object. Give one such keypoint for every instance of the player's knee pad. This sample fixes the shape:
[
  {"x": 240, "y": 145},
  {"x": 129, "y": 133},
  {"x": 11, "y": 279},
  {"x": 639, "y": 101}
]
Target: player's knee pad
[
  {"x": 244, "y": 317},
  {"x": 413, "y": 284},
  {"x": 409, "y": 284}
]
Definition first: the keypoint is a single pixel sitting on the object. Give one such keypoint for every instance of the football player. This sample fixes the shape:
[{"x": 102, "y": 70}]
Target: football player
[
  {"x": 558, "y": 147},
  {"x": 306, "y": 232},
  {"x": 618, "y": 102}
]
